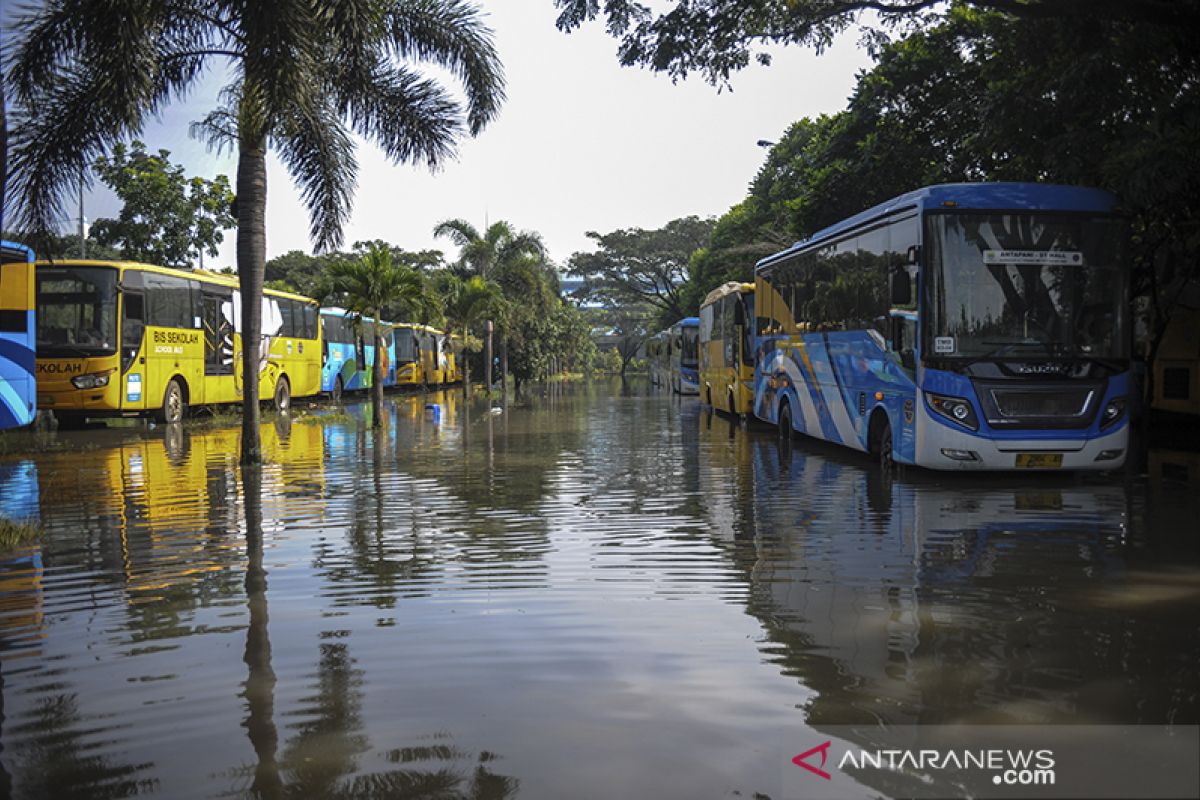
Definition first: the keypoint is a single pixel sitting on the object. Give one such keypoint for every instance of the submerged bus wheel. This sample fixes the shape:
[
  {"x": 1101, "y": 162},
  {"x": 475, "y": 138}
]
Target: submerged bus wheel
[
  {"x": 172, "y": 405},
  {"x": 883, "y": 448},
  {"x": 785, "y": 421},
  {"x": 283, "y": 395}
]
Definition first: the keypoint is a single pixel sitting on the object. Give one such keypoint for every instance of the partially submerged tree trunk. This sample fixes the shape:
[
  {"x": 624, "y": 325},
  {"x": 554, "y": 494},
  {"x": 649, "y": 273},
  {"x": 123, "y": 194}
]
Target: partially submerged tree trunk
[
  {"x": 377, "y": 375},
  {"x": 252, "y": 264},
  {"x": 487, "y": 356}
]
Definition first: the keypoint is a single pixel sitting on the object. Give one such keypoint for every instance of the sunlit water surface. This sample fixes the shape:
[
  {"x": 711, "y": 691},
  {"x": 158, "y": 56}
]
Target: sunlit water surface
[{"x": 596, "y": 592}]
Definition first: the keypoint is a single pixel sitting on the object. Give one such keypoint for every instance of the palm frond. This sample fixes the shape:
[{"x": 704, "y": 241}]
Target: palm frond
[
  {"x": 319, "y": 154},
  {"x": 452, "y": 34}
]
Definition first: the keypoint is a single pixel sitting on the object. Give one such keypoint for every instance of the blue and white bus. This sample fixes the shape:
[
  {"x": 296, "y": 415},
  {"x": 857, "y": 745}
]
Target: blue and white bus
[
  {"x": 683, "y": 347},
  {"x": 961, "y": 326},
  {"x": 18, "y": 352}
]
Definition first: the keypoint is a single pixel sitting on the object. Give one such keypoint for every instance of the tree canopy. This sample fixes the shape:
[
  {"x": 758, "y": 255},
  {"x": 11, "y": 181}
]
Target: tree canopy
[
  {"x": 636, "y": 266},
  {"x": 719, "y": 37},
  {"x": 166, "y": 217}
]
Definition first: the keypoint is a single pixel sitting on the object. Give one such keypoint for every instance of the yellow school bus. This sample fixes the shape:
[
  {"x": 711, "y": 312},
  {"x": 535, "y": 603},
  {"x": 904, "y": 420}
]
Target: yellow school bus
[
  {"x": 127, "y": 339},
  {"x": 726, "y": 348},
  {"x": 452, "y": 349},
  {"x": 420, "y": 355}
]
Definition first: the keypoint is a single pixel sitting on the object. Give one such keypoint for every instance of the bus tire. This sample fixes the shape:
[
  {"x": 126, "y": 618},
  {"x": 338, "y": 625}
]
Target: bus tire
[
  {"x": 173, "y": 405},
  {"x": 732, "y": 406},
  {"x": 785, "y": 421},
  {"x": 883, "y": 449},
  {"x": 336, "y": 393},
  {"x": 283, "y": 395}
]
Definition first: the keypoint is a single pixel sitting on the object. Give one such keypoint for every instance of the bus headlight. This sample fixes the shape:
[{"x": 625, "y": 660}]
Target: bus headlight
[
  {"x": 93, "y": 380},
  {"x": 1113, "y": 411},
  {"x": 955, "y": 409}
]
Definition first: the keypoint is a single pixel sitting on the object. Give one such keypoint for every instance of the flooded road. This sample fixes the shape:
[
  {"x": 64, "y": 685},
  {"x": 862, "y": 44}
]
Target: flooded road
[{"x": 594, "y": 593}]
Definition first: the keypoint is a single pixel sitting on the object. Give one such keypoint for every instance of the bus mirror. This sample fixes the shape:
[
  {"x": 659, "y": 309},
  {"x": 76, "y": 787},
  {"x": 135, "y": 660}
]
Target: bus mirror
[
  {"x": 913, "y": 255},
  {"x": 901, "y": 287}
]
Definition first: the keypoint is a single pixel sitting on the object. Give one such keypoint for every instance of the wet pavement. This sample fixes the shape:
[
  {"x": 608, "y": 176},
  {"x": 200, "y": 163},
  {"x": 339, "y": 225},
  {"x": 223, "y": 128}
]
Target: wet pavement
[{"x": 597, "y": 592}]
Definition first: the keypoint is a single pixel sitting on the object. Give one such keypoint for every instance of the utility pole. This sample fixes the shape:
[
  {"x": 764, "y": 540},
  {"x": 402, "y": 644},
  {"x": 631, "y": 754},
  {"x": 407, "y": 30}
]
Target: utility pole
[{"x": 82, "y": 239}]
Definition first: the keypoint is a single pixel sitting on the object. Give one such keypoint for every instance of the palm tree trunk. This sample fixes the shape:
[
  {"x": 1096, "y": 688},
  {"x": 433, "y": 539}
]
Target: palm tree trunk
[
  {"x": 252, "y": 264},
  {"x": 504, "y": 365},
  {"x": 377, "y": 376},
  {"x": 466, "y": 368},
  {"x": 487, "y": 356}
]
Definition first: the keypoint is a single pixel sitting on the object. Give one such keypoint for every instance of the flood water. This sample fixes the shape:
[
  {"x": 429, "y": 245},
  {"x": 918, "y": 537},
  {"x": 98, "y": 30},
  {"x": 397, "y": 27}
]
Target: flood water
[{"x": 596, "y": 593}]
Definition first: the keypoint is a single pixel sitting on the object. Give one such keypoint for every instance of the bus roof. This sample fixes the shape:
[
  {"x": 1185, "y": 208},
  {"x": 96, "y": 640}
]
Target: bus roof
[
  {"x": 417, "y": 327},
  {"x": 727, "y": 288},
  {"x": 999, "y": 196},
  {"x": 14, "y": 252},
  {"x": 205, "y": 275}
]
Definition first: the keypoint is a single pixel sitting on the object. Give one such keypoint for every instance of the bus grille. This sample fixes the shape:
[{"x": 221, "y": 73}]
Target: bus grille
[{"x": 1023, "y": 403}]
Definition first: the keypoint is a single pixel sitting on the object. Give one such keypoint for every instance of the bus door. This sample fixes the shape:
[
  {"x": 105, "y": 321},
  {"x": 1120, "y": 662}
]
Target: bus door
[
  {"x": 133, "y": 329},
  {"x": 216, "y": 315}
]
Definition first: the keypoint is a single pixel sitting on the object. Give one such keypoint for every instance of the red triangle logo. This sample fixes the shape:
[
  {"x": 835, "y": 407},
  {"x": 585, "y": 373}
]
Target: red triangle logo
[{"x": 823, "y": 749}]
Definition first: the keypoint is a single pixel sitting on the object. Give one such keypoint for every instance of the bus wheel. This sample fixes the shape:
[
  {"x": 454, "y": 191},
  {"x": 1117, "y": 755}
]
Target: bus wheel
[
  {"x": 336, "y": 394},
  {"x": 172, "y": 406},
  {"x": 283, "y": 395},
  {"x": 733, "y": 412},
  {"x": 785, "y": 422},
  {"x": 887, "y": 462}
]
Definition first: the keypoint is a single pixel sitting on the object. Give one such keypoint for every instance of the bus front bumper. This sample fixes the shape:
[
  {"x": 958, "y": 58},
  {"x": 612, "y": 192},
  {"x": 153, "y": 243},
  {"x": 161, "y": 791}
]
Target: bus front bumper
[{"x": 945, "y": 449}]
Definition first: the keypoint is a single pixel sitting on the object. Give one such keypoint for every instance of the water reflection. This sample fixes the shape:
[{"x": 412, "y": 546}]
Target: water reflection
[{"x": 594, "y": 591}]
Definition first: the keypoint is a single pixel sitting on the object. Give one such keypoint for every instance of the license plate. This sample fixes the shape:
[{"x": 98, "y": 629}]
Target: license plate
[{"x": 1040, "y": 460}]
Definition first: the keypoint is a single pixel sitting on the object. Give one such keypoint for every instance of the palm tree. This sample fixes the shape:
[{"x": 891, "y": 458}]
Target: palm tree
[
  {"x": 467, "y": 303},
  {"x": 304, "y": 73},
  {"x": 499, "y": 249},
  {"x": 369, "y": 285}
]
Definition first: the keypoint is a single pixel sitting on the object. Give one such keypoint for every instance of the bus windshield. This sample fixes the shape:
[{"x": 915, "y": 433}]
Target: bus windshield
[
  {"x": 690, "y": 346},
  {"x": 76, "y": 311},
  {"x": 1025, "y": 285}
]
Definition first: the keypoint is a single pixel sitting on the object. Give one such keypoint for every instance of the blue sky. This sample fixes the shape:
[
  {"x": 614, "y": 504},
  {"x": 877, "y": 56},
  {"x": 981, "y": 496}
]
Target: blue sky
[{"x": 582, "y": 144}]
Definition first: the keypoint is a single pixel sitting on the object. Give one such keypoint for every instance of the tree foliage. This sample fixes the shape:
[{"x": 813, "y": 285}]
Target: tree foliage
[
  {"x": 166, "y": 218},
  {"x": 719, "y": 37},
  {"x": 635, "y": 267}
]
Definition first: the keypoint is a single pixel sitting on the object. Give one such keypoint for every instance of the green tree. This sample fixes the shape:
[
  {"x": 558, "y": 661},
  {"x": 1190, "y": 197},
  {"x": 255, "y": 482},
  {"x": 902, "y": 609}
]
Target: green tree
[
  {"x": 719, "y": 37},
  {"x": 635, "y": 266},
  {"x": 500, "y": 253},
  {"x": 166, "y": 218},
  {"x": 467, "y": 303},
  {"x": 306, "y": 73},
  {"x": 367, "y": 286}
]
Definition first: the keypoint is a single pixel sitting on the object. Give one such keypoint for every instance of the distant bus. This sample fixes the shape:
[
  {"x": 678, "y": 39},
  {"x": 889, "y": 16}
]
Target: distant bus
[
  {"x": 961, "y": 326},
  {"x": 658, "y": 358},
  {"x": 120, "y": 339},
  {"x": 684, "y": 349},
  {"x": 348, "y": 353},
  {"x": 420, "y": 360},
  {"x": 18, "y": 386},
  {"x": 727, "y": 347}
]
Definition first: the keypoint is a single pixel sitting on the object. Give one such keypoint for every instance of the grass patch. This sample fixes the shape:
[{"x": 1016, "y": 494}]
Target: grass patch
[
  {"x": 332, "y": 418},
  {"x": 13, "y": 534}
]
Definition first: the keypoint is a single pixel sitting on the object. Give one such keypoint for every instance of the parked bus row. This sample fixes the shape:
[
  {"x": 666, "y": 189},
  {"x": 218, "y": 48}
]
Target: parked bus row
[
  {"x": 959, "y": 326},
  {"x": 121, "y": 339}
]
